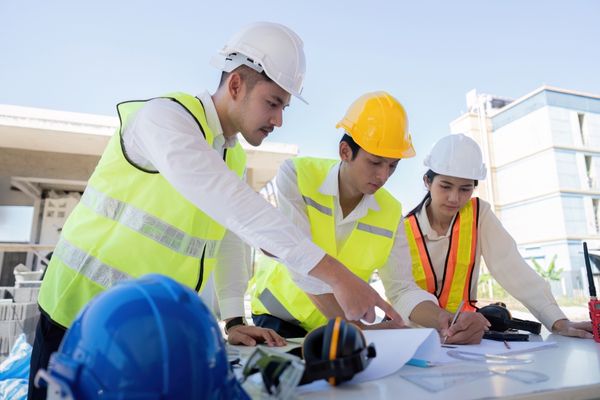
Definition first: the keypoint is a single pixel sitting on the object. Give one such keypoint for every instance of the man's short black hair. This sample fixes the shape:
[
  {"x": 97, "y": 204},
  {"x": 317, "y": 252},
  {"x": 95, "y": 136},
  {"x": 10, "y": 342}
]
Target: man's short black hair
[{"x": 353, "y": 145}]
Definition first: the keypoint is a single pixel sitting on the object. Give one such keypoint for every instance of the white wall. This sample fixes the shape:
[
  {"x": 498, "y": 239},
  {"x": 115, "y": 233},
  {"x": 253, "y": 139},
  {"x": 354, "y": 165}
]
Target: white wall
[
  {"x": 532, "y": 176},
  {"x": 574, "y": 214},
  {"x": 535, "y": 221},
  {"x": 563, "y": 126},
  {"x": 522, "y": 137},
  {"x": 569, "y": 169}
]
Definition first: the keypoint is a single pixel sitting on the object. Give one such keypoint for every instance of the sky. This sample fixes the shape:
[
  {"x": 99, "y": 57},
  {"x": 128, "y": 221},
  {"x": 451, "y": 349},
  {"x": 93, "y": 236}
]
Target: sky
[{"x": 88, "y": 56}]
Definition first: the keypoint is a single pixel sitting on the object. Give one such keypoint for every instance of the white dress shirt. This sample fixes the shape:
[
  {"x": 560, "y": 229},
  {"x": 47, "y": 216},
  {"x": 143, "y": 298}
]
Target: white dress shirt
[
  {"x": 502, "y": 259},
  {"x": 396, "y": 275},
  {"x": 162, "y": 136}
]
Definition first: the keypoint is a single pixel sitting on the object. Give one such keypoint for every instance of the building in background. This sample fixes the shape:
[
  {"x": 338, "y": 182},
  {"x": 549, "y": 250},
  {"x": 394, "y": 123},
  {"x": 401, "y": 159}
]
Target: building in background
[
  {"x": 46, "y": 158},
  {"x": 543, "y": 156}
]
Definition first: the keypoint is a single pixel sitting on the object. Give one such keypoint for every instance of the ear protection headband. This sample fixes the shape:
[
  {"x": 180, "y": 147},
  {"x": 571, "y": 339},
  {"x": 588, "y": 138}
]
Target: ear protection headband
[
  {"x": 501, "y": 320},
  {"x": 336, "y": 352}
]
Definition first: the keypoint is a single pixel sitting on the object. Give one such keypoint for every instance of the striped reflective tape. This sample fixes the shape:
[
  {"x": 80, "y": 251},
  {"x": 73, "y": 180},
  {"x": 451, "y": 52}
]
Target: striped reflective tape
[
  {"x": 87, "y": 265},
  {"x": 310, "y": 202},
  {"x": 148, "y": 225},
  {"x": 375, "y": 230},
  {"x": 275, "y": 307}
]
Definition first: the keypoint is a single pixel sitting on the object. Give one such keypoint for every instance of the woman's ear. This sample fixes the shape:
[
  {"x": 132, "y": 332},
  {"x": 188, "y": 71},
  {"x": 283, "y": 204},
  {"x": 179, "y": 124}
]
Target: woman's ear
[{"x": 427, "y": 182}]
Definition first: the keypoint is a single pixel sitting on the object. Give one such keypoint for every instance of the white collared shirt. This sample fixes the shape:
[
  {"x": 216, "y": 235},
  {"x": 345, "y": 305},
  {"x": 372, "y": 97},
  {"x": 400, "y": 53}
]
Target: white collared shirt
[
  {"x": 502, "y": 259},
  {"x": 162, "y": 136},
  {"x": 396, "y": 275}
]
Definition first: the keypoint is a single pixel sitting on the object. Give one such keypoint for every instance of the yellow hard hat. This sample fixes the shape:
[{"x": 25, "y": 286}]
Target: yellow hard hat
[{"x": 377, "y": 122}]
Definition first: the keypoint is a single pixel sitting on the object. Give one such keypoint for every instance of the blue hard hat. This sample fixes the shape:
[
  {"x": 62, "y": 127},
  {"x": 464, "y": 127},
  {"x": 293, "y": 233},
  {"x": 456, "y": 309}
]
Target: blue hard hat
[{"x": 149, "y": 338}]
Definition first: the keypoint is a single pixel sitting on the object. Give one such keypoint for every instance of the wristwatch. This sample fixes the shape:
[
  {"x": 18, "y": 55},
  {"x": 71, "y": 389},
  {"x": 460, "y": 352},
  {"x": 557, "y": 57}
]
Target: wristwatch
[{"x": 234, "y": 322}]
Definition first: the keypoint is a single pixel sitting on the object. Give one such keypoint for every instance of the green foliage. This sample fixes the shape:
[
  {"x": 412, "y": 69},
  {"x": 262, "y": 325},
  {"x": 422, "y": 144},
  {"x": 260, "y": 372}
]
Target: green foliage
[
  {"x": 483, "y": 287},
  {"x": 551, "y": 273}
]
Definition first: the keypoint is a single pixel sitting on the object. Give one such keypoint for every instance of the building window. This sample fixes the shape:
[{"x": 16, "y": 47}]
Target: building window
[
  {"x": 581, "y": 120},
  {"x": 589, "y": 172},
  {"x": 595, "y": 203}
]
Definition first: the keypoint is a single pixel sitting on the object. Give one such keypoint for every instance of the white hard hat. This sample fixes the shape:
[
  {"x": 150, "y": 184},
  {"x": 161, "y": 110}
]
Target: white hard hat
[
  {"x": 456, "y": 155},
  {"x": 269, "y": 47}
]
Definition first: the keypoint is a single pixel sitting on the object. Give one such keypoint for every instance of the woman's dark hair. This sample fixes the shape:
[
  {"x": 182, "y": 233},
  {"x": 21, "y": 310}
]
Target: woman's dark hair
[
  {"x": 429, "y": 175},
  {"x": 353, "y": 145}
]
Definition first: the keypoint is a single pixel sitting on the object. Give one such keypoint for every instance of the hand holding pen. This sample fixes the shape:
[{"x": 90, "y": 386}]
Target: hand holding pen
[
  {"x": 458, "y": 311},
  {"x": 463, "y": 327}
]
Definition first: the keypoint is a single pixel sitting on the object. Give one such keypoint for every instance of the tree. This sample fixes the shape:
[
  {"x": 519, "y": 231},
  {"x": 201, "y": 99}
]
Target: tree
[{"x": 551, "y": 273}]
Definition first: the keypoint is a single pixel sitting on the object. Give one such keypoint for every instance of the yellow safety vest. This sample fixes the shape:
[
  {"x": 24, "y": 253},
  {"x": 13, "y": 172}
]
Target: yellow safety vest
[
  {"x": 366, "y": 249},
  {"x": 131, "y": 222},
  {"x": 458, "y": 270}
]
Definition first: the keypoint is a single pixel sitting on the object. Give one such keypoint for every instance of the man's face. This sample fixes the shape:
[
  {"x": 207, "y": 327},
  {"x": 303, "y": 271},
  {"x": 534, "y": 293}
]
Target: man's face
[
  {"x": 260, "y": 110},
  {"x": 367, "y": 172}
]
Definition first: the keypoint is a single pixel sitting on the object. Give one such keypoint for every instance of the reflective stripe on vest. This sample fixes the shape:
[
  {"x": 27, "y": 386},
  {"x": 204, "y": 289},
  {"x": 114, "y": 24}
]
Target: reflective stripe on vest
[
  {"x": 92, "y": 268},
  {"x": 148, "y": 225},
  {"x": 366, "y": 249},
  {"x": 460, "y": 260},
  {"x": 275, "y": 307},
  {"x": 312, "y": 203},
  {"x": 131, "y": 222},
  {"x": 374, "y": 230}
]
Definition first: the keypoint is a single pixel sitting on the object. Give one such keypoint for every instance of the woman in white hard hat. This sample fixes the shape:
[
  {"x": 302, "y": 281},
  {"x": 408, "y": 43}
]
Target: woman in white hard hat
[{"x": 449, "y": 231}]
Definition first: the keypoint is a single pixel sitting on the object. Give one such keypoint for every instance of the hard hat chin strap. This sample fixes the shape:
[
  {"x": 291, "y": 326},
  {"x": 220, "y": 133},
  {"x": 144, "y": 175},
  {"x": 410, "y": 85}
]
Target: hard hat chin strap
[{"x": 57, "y": 389}]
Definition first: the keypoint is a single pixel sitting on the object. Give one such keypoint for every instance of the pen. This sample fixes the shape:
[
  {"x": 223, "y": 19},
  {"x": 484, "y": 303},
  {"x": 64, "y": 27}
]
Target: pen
[
  {"x": 458, "y": 311},
  {"x": 417, "y": 362},
  {"x": 506, "y": 345}
]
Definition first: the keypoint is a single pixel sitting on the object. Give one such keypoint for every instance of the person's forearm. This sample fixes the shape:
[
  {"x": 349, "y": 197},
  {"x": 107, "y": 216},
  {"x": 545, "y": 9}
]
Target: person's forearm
[
  {"x": 427, "y": 314},
  {"x": 327, "y": 304},
  {"x": 330, "y": 271},
  {"x": 355, "y": 296}
]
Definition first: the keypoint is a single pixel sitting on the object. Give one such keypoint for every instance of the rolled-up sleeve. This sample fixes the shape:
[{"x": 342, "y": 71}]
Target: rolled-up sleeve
[{"x": 232, "y": 273}]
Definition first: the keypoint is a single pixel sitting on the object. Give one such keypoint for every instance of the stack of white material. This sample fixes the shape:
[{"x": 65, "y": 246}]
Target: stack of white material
[
  {"x": 25, "y": 277},
  {"x": 19, "y": 313}
]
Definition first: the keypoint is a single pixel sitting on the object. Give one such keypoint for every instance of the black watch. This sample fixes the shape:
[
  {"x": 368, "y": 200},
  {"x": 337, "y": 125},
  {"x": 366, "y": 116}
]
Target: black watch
[{"x": 234, "y": 322}]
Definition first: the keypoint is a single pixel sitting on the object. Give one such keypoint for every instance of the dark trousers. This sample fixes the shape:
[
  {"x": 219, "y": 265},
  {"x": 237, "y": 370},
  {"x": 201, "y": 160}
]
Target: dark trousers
[
  {"x": 284, "y": 328},
  {"x": 48, "y": 336}
]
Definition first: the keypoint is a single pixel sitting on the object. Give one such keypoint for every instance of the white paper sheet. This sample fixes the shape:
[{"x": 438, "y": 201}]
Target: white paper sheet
[{"x": 394, "y": 348}]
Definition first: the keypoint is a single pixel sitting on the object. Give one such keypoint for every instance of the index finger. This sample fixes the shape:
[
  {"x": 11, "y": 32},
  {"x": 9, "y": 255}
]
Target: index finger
[{"x": 388, "y": 309}]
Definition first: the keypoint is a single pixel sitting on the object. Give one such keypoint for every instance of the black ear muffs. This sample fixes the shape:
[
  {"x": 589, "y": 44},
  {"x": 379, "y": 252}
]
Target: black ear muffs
[
  {"x": 336, "y": 352},
  {"x": 501, "y": 320}
]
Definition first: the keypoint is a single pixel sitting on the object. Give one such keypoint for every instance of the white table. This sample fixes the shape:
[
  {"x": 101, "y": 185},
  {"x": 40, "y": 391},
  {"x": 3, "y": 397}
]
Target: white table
[{"x": 573, "y": 368}]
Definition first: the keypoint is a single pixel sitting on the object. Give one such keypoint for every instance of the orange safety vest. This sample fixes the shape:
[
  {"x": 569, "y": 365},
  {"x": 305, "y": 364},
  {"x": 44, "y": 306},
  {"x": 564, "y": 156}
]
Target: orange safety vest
[{"x": 460, "y": 260}]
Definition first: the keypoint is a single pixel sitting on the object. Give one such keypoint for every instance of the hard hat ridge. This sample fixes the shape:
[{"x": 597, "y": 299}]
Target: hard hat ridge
[
  {"x": 377, "y": 122},
  {"x": 457, "y": 155}
]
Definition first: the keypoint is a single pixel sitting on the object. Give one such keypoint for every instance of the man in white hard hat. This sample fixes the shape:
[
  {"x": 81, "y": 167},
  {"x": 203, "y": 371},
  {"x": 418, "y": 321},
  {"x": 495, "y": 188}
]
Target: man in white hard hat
[{"x": 166, "y": 196}]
